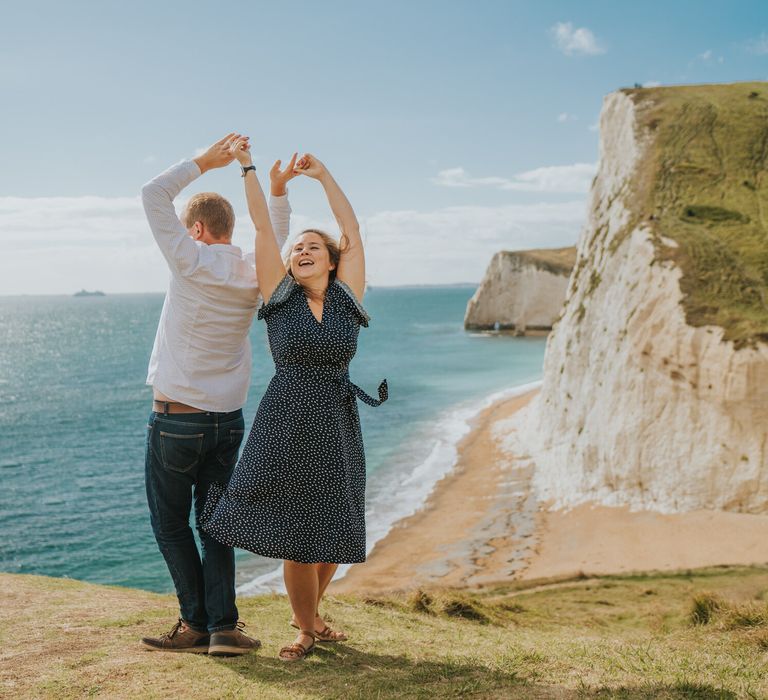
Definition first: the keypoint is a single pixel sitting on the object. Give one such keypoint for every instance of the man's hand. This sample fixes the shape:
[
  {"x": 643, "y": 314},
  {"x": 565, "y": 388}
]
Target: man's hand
[
  {"x": 218, "y": 155},
  {"x": 311, "y": 167},
  {"x": 278, "y": 179},
  {"x": 240, "y": 149}
]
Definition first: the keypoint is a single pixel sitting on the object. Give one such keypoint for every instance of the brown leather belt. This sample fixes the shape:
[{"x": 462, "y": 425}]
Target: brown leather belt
[{"x": 174, "y": 407}]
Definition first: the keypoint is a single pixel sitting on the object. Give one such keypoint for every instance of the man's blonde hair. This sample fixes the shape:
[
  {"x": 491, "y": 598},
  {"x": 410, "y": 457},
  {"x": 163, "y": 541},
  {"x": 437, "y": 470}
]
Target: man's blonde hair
[{"x": 214, "y": 211}]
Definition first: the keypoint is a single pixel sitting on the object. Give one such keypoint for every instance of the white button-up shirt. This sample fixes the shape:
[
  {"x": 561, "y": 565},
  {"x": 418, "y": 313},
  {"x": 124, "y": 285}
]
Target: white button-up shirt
[{"x": 202, "y": 353}]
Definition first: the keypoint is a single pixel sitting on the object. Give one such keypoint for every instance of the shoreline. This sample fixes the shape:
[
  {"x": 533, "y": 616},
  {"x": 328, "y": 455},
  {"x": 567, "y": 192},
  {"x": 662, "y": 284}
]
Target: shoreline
[
  {"x": 478, "y": 520},
  {"x": 395, "y": 503},
  {"x": 482, "y": 525}
]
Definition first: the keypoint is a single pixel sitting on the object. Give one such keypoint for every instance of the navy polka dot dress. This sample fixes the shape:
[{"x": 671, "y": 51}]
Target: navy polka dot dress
[{"x": 298, "y": 491}]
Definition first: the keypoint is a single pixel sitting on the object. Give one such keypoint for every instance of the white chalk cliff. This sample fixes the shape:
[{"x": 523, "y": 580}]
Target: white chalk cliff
[
  {"x": 638, "y": 407},
  {"x": 521, "y": 291}
]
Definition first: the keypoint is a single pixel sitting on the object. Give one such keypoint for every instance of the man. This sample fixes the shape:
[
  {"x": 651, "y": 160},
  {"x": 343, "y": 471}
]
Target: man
[{"x": 200, "y": 371}]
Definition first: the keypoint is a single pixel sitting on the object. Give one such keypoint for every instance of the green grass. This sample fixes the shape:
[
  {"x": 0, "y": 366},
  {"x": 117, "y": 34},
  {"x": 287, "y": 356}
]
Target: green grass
[
  {"x": 558, "y": 261},
  {"x": 613, "y": 637},
  {"x": 704, "y": 184}
]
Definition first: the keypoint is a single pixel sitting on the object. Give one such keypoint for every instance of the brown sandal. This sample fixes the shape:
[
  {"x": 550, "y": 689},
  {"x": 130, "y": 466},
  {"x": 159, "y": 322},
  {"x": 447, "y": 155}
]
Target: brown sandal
[
  {"x": 327, "y": 634},
  {"x": 298, "y": 651}
]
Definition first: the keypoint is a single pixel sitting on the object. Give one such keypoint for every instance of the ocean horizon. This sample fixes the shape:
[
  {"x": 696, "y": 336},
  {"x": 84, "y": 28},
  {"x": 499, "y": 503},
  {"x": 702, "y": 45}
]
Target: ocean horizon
[
  {"x": 99, "y": 293},
  {"x": 73, "y": 409}
]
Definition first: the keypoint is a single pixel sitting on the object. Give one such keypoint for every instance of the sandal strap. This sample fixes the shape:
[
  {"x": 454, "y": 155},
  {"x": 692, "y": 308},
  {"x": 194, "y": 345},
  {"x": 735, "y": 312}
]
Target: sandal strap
[
  {"x": 309, "y": 633},
  {"x": 298, "y": 649},
  {"x": 294, "y": 649}
]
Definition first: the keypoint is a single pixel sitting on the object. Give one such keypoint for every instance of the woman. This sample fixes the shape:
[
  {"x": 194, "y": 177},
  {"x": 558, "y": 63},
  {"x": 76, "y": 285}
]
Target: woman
[{"x": 298, "y": 492}]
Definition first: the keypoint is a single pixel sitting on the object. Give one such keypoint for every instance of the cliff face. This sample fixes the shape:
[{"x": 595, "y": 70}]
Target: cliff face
[
  {"x": 655, "y": 391},
  {"x": 521, "y": 291}
]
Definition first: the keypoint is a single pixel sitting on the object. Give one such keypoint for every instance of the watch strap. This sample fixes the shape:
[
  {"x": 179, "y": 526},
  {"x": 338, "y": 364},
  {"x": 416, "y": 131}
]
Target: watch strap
[{"x": 246, "y": 168}]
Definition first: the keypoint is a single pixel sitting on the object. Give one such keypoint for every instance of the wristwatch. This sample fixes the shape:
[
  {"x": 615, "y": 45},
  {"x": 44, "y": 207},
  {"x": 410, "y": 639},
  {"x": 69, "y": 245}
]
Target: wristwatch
[{"x": 246, "y": 168}]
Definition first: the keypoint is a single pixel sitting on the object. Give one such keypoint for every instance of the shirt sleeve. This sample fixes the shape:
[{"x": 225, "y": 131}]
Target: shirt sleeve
[
  {"x": 180, "y": 251},
  {"x": 280, "y": 216}
]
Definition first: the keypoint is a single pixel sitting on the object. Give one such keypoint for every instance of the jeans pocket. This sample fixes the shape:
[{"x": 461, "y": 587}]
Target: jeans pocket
[
  {"x": 229, "y": 447},
  {"x": 181, "y": 452}
]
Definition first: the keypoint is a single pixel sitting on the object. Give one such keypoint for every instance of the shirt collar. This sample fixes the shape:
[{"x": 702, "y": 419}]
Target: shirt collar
[{"x": 227, "y": 248}]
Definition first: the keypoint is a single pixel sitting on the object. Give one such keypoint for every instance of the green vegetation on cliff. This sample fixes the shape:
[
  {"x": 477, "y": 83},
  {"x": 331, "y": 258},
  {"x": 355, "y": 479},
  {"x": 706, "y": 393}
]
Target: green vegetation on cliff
[
  {"x": 701, "y": 634},
  {"x": 704, "y": 184},
  {"x": 558, "y": 261}
]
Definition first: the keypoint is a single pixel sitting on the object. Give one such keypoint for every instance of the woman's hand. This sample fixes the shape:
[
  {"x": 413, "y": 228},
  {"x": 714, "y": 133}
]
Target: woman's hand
[
  {"x": 278, "y": 179},
  {"x": 240, "y": 150},
  {"x": 311, "y": 167}
]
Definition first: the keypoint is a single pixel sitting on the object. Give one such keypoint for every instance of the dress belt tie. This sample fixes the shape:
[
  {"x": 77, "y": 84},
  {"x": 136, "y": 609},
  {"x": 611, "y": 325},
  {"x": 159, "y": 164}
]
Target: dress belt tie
[
  {"x": 367, "y": 398},
  {"x": 340, "y": 375}
]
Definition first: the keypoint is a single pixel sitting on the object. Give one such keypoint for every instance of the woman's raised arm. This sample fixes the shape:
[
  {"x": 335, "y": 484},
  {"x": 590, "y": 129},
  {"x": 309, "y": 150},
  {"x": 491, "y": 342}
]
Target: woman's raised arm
[
  {"x": 270, "y": 269},
  {"x": 351, "y": 268}
]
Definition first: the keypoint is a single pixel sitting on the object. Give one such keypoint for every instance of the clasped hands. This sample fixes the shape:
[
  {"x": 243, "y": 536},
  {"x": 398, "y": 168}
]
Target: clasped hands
[{"x": 237, "y": 147}]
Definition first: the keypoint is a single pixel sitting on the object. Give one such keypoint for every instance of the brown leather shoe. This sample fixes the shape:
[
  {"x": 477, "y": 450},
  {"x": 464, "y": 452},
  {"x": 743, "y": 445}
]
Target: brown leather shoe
[
  {"x": 232, "y": 642},
  {"x": 181, "y": 638}
]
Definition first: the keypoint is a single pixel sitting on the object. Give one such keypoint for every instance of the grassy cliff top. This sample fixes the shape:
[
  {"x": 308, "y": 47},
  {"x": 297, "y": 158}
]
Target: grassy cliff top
[
  {"x": 701, "y": 634},
  {"x": 704, "y": 184},
  {"x": 558, "y": 261}
]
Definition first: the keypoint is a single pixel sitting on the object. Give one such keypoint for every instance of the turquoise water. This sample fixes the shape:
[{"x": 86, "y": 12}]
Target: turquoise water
[{"x": 73, "y": 408}]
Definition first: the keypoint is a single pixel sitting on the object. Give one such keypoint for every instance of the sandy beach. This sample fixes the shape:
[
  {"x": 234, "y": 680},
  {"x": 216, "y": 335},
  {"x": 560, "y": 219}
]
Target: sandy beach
[{"x": 482, "y": 524}]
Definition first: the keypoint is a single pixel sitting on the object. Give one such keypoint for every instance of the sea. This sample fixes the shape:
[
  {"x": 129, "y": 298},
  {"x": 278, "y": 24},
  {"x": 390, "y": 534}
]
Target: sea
[{"x": 74, "y": 404}]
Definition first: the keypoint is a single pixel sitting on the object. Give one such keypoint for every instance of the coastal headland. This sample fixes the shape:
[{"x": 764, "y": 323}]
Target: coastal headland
[{"x": 646, "y": 446}]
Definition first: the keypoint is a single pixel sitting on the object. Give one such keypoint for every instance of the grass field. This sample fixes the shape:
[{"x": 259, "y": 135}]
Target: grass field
[
  {"x": 700, "y": 634},
  {"x": 704, "y": 185}
]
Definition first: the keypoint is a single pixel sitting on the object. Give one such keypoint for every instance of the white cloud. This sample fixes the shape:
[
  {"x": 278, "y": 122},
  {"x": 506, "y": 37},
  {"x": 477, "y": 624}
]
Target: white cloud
[
  {"x": 30, "y": 221},
  {"x": 708, "y": 57},
  {"x": 150, "y": 159},
  {"x": 458, "y": 177},
  {"x": 594, "y": 126},
  {"x": 651, "y": 84},
  {"x": 575, "y": 41},
  {"x": 456, "y": 244},
  {"x": 56, "y": 245},
  {"x": 59, "y": 245},
  {"x": 758, "y": 46},
  {"x": 556, "y": 178},
  {"x": 566, "y": 117}
]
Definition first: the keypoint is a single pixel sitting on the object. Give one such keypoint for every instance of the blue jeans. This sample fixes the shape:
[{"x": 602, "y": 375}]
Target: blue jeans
[{"x": 186, "y": 453}]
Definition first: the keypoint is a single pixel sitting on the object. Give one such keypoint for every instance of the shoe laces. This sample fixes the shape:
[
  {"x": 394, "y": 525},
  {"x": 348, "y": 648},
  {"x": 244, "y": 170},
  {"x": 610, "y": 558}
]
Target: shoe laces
[
  {"x": 174, "y": 630},
  {"x": 239, "y": 627}
]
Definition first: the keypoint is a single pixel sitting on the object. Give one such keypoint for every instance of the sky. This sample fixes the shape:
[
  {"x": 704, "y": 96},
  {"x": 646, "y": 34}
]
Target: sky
[{"x": 456, "y": 129}]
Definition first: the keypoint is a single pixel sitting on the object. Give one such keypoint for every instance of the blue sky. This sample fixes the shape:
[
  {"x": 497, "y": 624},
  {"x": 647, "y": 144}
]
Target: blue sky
[{"x": 436, "y": 118}]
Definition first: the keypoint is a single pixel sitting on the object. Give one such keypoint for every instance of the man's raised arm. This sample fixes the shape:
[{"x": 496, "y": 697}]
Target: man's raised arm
[
  {"x": 279, "y": 208},
  {"x": 157, "y": 196}
]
